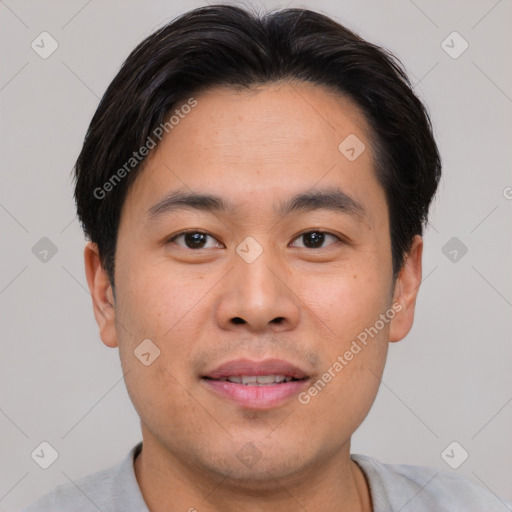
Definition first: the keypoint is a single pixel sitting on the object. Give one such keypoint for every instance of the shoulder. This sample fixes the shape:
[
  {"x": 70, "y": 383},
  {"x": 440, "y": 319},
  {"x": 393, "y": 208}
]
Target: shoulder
[
  {"x": 425, "y": 489},
  {"x": 88, "y": 493},
  {"x": 104, "y": 490}
]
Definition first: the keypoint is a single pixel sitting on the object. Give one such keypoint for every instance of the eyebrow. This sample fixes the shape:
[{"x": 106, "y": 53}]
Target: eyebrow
[{"x": 331, "y": 199}]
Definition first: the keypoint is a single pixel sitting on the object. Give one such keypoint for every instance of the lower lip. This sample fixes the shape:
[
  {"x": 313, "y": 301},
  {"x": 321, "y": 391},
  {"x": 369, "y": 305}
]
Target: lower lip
[{"x": 256, "y": 397}]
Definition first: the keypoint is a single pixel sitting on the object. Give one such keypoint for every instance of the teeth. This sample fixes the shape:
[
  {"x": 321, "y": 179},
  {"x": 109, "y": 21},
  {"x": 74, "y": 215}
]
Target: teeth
[
  {"x": 259, "y": 380},
  {"x": 266, "y": 379}
]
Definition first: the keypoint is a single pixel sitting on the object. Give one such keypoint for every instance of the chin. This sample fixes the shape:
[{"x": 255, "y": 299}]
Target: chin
[{"x": 257, "y": 469}]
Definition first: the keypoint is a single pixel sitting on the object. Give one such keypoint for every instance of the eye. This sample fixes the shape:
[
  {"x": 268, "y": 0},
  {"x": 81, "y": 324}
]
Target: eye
[
  {"x": 193, "y": 239},
  {"x": 315, "y": 239}
]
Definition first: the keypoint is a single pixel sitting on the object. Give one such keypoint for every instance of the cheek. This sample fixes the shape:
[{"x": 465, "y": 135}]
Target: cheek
[
  {"x": 157, "y": 299},
  {"x": 348, "y": 383},
  {"x": 155, "y": 307},
  {"x": 348, "y": 305},
  {"x": 163, "y": 401},
  {"x": 346, "y": 300},
  {"x": 162, "y": 306}
]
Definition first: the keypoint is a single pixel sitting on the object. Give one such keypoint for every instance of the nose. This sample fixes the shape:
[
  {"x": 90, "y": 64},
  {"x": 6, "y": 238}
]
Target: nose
[{"x": 257, "y": 297}]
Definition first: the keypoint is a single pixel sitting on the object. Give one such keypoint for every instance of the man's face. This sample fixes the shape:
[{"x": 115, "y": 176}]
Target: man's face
[{"x": 258, "y": 285}]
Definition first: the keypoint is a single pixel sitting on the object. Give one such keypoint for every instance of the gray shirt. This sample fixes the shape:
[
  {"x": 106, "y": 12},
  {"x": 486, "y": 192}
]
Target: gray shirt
[{"x": 393, "y": 488}]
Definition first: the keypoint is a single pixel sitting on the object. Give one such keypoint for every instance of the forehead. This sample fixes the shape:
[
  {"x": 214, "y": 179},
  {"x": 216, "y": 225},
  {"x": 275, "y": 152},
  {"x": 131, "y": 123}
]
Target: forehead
[
  {"x": 269, "y": 122},
  {"x": 252, "y": 144}
]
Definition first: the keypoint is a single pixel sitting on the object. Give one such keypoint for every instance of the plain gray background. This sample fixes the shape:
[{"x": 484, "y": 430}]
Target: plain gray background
[{"x": 449, "y": 380}]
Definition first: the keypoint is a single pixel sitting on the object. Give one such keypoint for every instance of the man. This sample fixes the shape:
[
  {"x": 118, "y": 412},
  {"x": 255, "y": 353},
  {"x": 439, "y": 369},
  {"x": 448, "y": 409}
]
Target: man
[{"x": 254, "y": 189}]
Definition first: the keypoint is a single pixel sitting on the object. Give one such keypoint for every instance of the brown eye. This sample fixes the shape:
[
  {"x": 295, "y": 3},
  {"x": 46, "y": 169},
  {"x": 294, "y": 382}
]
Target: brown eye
[
  {"x": 193, "y": 240},
  {"x": 316, "y": 239}
]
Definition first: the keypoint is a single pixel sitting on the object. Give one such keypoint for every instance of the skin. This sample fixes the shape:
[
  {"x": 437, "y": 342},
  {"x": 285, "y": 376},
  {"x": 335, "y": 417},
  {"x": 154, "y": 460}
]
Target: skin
[{"x": 254, "y": 148}]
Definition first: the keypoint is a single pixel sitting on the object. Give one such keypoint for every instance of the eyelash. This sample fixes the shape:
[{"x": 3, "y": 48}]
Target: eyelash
[{"x": 182, "y": 233}]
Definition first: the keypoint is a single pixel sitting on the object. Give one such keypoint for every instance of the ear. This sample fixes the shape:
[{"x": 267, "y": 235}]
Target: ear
[
  {"x": 102, "y": 295},
  {"x": 406, "y": 290}
]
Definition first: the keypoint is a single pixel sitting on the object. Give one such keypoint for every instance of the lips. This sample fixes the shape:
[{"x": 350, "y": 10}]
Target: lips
[
  {"x": 248, "y": 368},
  {"x": 256, "y": 384}
]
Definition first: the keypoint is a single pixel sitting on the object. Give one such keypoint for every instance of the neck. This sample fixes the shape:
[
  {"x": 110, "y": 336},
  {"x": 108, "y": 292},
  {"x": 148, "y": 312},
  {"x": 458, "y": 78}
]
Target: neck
[{"x": 170, "y": 483}]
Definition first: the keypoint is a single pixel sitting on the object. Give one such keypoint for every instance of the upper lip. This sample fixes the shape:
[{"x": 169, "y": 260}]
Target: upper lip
[{"x": 248, "y": 367}]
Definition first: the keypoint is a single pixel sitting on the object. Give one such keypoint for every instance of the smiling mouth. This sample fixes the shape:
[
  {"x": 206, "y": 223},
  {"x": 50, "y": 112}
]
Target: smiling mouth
[
  {"x": 257, "y": 380},
  {"x": 259, "y": 385},
  {"x": 246, "y": 392}
]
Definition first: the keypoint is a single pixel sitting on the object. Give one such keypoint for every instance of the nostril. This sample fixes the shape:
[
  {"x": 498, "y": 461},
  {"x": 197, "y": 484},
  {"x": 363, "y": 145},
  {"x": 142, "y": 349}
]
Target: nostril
[
  {"x": 278, "y": 320},
  {"x": 238, "y": 320}
]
